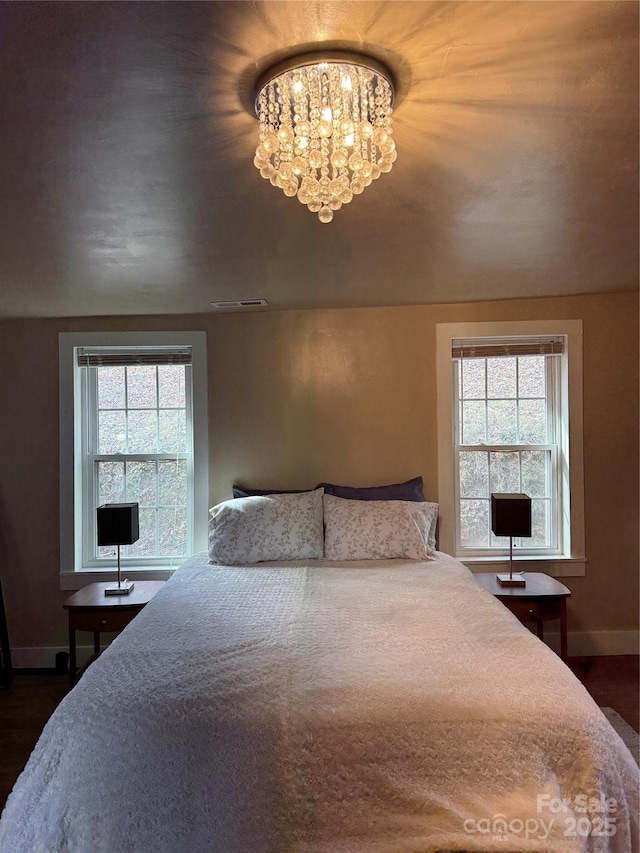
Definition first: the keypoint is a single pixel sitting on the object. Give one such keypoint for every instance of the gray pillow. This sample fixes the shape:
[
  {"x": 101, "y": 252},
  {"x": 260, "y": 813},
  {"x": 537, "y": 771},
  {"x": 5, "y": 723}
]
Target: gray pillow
[
  {"x": 239, "y": 492},
  {"x": 409, "y": 491}
]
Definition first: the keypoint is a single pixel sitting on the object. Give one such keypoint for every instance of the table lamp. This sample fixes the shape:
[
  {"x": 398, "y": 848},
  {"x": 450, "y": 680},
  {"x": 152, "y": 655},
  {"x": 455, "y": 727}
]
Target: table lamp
[
  {"x": 511, "y": 516},
  {"x": 118, "y": 525}
]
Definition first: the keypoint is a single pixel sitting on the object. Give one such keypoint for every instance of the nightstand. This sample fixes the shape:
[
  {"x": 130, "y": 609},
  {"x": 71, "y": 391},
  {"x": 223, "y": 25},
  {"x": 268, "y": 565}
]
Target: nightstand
[
  {"x": 543, "y": 598},
  {"x": 91, "y": 610}
]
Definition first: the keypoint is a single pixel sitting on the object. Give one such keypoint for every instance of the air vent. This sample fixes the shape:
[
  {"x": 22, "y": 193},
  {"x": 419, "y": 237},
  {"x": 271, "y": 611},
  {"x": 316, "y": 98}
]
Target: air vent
[{"x": 240, "y": 303}]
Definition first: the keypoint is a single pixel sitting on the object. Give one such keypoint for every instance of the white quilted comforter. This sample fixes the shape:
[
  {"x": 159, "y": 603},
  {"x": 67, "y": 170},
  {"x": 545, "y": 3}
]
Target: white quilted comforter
[{"x": 382, "y": 707}]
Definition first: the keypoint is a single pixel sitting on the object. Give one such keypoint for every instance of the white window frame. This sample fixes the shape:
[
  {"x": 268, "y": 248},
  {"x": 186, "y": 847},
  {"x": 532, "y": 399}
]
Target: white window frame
[
  {"x": 569, "y": 557},
  {"x": 77, "y": 568}
]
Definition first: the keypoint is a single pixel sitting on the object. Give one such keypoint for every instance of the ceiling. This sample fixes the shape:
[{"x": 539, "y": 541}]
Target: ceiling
[{"x": 127, "y": 140}]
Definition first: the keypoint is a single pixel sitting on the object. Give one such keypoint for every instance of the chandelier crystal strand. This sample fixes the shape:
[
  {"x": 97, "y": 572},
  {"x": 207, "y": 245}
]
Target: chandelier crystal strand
[{"x": 325, "y": 132}]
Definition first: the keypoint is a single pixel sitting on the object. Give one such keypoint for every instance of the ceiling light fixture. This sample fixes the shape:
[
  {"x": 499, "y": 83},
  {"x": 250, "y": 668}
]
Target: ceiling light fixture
[{"x": 325, "y": 127}]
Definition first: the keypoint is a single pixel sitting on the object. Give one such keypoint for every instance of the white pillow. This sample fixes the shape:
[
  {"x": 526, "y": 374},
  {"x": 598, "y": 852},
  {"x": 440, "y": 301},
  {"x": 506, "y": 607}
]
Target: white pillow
[
  {"x": 273, "y": 527},
  {"x": 376, "y": 530},
  {"x": 431, "y": 539}
]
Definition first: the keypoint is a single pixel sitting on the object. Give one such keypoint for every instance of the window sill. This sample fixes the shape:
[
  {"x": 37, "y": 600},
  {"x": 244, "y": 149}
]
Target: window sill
[
  {"x": 557, "y": 566},
  {"x": 83, "y": 577}
]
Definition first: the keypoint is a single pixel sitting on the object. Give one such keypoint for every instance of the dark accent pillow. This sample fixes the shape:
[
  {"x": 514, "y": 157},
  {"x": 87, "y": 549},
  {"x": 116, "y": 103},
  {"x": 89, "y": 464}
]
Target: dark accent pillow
[
  {"x": 238, "y": 492},
  {"x": 409, "y": 491}
]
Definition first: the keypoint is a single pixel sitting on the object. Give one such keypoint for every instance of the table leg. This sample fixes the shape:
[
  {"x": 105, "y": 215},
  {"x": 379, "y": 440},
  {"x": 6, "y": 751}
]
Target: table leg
[
  {"x": 539, "y": 625},
  {"x": 72, "y": 649},
  {"x": 563, "y": 630}
]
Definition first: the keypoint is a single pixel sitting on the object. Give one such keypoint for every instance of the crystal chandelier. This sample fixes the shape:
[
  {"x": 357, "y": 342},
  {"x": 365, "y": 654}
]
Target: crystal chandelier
[{"x": 325, "y": 128}]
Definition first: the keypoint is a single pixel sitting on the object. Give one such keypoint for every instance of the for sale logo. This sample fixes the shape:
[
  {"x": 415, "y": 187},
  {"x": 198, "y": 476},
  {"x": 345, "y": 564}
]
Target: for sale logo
[
  {"x": 584, "y": 815},
  {"x": 580, "y": 816}
]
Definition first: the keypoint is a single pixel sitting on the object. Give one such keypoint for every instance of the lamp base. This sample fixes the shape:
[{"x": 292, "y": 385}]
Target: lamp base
[
  {"x": 516, "y": 580},
  {"x": 124, "y": 588}
]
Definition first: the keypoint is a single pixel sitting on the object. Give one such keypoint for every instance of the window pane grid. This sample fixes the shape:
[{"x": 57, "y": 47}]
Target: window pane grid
[
  {"x": 528, "y": 463},
  {"x": 476, "y": 527},
  {"x": 130, "y": 486},
  {"x": 143, "y": 425},
  {"x": 504, "y": 413},
  {"x": 142, "y": 439},
  {"x": 511, "y": 469},
  {"x": 478, "y": 403}
]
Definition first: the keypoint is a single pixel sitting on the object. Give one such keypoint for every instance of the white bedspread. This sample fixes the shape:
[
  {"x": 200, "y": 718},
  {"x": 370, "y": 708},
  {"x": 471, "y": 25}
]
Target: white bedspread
[{"x": 384, "y": 707}]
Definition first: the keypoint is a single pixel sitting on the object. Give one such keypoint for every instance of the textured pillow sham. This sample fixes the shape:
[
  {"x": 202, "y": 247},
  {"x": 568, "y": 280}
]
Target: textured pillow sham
[
  {"x": 411, "y": 490},
  {"x": 431, "y": 539},
  {"x": 376, "y": 530},
  {"x": 271, "y": 527}
]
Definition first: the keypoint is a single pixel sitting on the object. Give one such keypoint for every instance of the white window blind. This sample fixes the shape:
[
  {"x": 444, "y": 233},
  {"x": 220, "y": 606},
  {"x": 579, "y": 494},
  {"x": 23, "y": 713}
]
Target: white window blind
[
  {"x": 506, "y": 347},
  {"x": 129, "y": 357}
]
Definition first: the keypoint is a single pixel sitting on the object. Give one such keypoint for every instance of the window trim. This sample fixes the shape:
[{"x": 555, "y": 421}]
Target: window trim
[
  {"x": 72, "y": 570},
  {"x": 572, "y": 561}
]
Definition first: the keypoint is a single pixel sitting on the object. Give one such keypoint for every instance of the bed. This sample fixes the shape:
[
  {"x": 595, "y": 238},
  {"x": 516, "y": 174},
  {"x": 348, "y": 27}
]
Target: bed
[{"x": 314, "y": 706}]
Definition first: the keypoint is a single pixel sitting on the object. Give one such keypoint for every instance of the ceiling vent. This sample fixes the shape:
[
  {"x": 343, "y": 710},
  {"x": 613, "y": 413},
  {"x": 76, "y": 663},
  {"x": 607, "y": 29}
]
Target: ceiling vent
[{"x": 240, "y": 303}]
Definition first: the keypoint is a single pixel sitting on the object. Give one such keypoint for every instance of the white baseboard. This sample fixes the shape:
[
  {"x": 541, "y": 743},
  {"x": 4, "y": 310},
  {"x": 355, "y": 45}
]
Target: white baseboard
[{"x": 579, "y": 643}]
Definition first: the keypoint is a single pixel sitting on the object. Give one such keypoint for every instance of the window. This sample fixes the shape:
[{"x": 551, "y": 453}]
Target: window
[
  {"x": 510, "y": 418},
  {"x": 138, "y": 434},
  {"x": 508, "y": 437}
]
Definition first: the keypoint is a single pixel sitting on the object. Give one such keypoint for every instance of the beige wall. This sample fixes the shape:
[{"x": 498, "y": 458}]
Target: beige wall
[{"x": 342, "y": 395}]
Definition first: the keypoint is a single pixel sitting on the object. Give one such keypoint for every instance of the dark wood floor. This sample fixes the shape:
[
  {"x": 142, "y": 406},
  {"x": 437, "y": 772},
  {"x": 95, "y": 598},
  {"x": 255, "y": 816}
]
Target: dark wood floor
[
  {"x": 613, "y": 683},
  {"x": 24, "y": 709},
  {"x": 27, "y": 705}
]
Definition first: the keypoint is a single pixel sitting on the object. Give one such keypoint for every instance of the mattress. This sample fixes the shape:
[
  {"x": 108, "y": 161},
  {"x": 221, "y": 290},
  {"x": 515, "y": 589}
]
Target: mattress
[{"x": 384, "y": 707}]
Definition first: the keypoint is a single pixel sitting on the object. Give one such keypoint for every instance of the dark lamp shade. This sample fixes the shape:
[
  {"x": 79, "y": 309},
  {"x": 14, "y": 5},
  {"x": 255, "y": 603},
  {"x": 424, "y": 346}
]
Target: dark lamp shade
[
  {"x": 118, "y": 524},
  {"x": 511, "y": 515}
]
